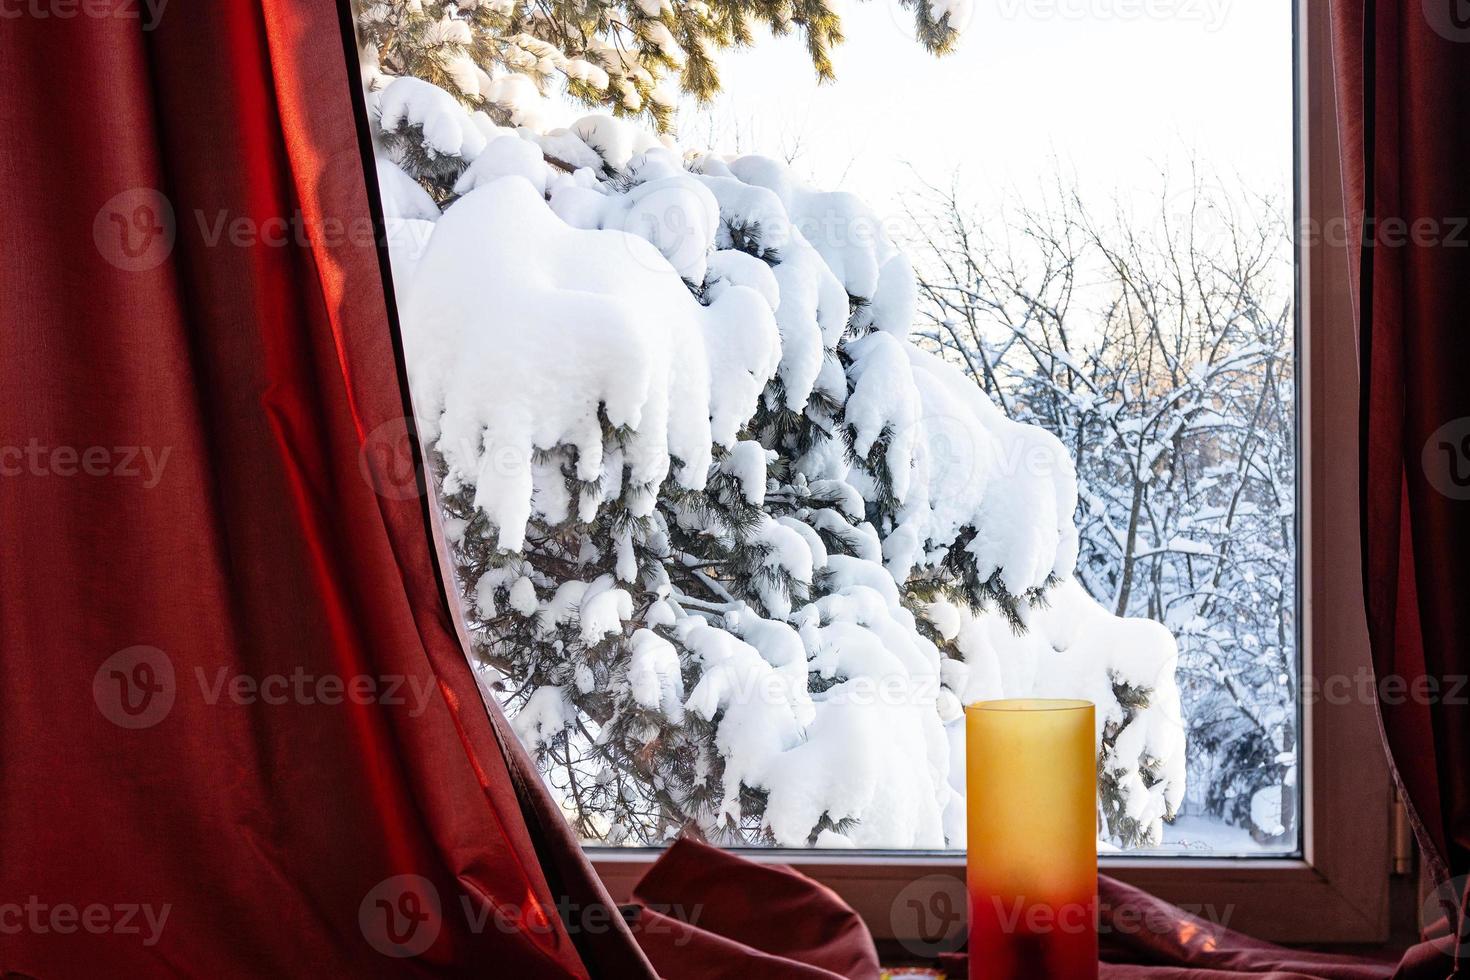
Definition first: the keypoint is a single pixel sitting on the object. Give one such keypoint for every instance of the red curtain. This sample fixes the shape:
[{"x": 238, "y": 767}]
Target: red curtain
[
  {"x": 1403, "y": 79},
  {"x": 238, "y": 735}
]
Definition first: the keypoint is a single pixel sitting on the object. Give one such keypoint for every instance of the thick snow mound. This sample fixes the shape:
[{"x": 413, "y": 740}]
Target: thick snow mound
[
  {"x": 448, "y": 129},
  {"x": 1014, "y": 484},
  {"x": 525, "y": 334},
  {"x": 401, "y": 194}
]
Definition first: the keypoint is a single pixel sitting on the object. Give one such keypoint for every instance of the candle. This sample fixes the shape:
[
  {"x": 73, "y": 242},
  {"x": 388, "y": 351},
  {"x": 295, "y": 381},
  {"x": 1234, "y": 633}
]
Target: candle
[{"x": 1031, "y": 771}]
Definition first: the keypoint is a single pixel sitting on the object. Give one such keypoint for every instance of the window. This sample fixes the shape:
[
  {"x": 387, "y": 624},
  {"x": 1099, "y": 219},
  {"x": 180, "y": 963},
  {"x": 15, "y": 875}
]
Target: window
[{"x": 956, "y": 360}]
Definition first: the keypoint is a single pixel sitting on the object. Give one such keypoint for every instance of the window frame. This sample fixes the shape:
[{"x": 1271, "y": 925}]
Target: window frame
[{"x": 1338, "y": 890}]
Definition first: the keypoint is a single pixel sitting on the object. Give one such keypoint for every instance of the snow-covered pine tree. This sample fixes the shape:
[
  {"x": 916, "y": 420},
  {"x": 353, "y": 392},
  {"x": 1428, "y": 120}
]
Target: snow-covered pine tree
[
  {"x": 614, "y": 55},
  {"x": 736, "y": 550}
]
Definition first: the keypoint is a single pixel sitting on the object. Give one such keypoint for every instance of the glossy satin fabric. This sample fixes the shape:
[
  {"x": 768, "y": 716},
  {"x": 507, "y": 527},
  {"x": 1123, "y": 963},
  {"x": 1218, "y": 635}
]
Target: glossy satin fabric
[{"x": 257, "y": 366}]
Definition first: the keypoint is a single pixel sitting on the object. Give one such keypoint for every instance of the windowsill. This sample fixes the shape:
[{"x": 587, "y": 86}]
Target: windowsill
[
  {"x": 1107, "y": 863},
  {"x": 1283, "y": 900}
]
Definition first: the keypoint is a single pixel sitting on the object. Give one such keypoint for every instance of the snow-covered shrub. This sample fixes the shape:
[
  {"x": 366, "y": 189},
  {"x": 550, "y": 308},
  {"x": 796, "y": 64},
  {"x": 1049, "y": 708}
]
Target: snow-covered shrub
[{"x": 737, "y": 550}]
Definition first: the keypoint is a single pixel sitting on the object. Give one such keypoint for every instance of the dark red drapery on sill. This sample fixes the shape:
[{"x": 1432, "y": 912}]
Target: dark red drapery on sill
[
  {"x": 720, "y": 915},
  {"x": 236, "y": 711}
]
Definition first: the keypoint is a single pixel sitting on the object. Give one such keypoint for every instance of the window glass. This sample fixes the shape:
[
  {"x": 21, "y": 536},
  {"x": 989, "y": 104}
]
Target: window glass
[{"x": 793, "y": 375}]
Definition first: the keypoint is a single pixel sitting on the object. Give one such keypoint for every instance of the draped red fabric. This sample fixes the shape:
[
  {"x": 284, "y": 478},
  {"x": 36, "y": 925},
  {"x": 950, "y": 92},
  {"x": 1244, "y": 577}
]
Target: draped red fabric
[
  {"x": 1143, "y": 936},
  {"x": 239, "y": 735},
  {"x": 705, "y": 912},
  {"x": 1403, "y": 81},
  {"x": 708, "y": 913}
]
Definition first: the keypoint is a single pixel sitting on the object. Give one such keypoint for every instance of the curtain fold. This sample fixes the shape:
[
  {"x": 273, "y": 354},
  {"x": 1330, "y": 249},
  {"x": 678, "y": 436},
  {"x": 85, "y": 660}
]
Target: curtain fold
[
  {"x": 705, "y": 912},
  {"x": 239, "y": 733},
  {"x": 1402, "y": 72}
]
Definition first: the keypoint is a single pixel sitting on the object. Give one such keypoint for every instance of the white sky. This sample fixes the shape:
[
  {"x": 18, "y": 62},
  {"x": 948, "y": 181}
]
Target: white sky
[{"x": 1113, "y": 97}]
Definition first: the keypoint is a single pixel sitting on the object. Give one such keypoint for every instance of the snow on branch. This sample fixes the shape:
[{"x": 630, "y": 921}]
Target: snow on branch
[{"x": 741, "y": 547}]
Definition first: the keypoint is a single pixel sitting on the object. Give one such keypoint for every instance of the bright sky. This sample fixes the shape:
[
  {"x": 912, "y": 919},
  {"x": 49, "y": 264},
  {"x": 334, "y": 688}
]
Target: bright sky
[{"x": 1112, "y": 96}]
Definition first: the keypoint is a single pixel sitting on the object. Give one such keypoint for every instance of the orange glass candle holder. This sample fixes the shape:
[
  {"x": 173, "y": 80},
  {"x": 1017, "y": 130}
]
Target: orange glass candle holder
[{"x": 1031, "y": 792}]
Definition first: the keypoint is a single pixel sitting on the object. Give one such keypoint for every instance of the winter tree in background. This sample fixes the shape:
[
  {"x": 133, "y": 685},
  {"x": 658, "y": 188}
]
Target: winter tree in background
[
  {"x": 1158, "y": 347},
  {"x": 735, "y": 551}
]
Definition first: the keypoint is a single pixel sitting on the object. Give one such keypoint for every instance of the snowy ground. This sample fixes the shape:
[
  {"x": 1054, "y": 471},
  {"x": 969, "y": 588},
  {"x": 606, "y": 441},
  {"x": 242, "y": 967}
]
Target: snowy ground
[{"x": 1201, "y": 837}]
